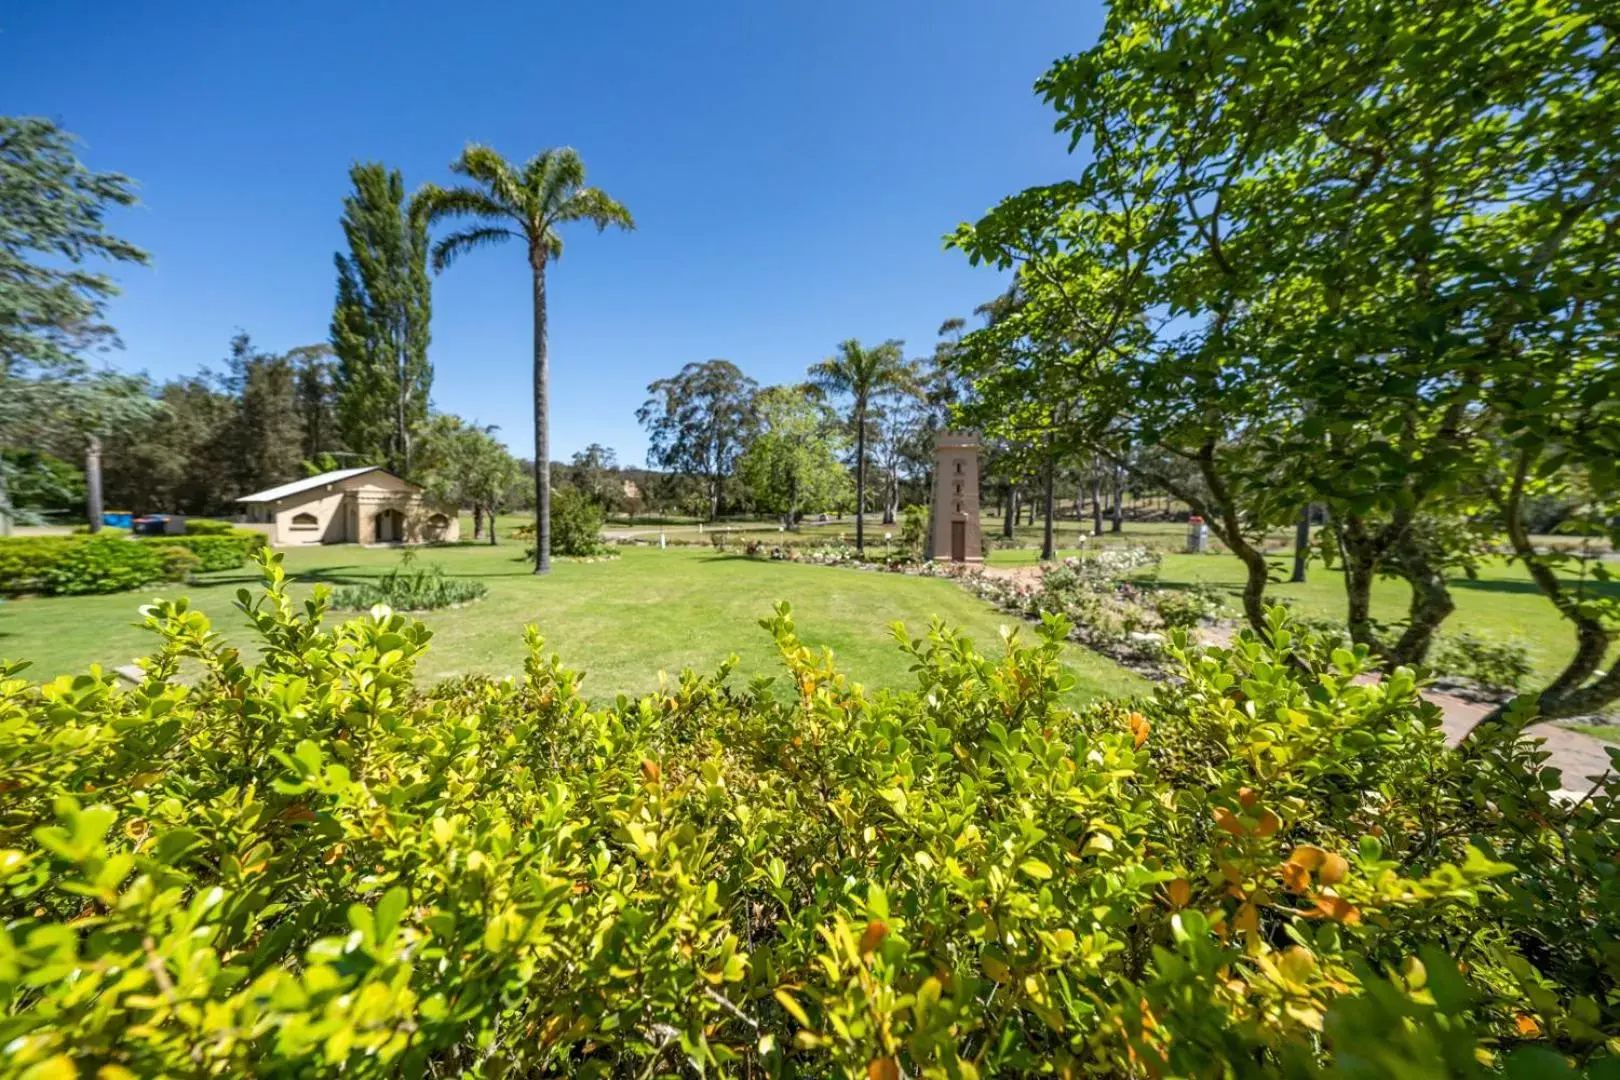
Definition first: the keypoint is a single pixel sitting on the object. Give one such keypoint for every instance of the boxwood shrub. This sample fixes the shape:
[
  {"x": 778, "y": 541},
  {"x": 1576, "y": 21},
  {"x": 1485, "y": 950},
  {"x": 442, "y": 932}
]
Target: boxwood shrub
[
  {"x": 213, "y": 552},
  {"x": 312, "y": 866},
  {"x": 24, "y": 561}
]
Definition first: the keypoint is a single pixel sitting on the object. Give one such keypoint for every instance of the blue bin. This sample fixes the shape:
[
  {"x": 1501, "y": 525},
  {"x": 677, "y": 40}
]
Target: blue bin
[{"x": 118, "y": 519}]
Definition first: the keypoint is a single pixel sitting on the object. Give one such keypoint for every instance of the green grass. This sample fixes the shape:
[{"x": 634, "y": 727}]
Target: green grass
[
  {"x": 621, "y": 621},
  {"x": 1603, "y": 732},
  {"x": 1501, "y": 603}
]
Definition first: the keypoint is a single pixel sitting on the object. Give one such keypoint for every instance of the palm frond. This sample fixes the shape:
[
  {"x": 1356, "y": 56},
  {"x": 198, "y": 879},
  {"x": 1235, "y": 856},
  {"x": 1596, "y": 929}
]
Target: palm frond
[
  {"x": 485, "y": 165},
  {"x": 552, "y": 177},
  {"x": 434, "y": 203},
  {"x": 596, "y": 205},
  {"x": 452, "y": 247}
]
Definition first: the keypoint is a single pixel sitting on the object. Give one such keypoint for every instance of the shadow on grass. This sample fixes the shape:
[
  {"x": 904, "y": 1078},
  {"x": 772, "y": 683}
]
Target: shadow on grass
[{"x": 1497, "y": 585}]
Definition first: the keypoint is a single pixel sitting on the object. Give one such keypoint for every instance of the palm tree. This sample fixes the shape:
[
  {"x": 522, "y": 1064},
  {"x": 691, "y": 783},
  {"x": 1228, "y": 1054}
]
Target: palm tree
[
  {"x": 862, "y": 374},
  {"x": 528, "y": 204}
]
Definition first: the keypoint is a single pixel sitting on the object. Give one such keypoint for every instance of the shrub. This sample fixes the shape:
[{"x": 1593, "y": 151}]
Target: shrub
[
  {"x": 208, "y": 527},
  {"x": 105, "y": 530},
  {"x": 178, "y": 563},
  {"x": 24, "y": 561},
  {"x": 308, "y": 866},
  {"x": 1183, "y": 609},
  {"x": 914, "y": 531},
  {"x": 408, "y": 587},
  {"x": 1499, "y": 665},
  {"x": 213, "y": 552},
  {"x": 103, "y": 564},
  {"x": 576, "y": 524}
]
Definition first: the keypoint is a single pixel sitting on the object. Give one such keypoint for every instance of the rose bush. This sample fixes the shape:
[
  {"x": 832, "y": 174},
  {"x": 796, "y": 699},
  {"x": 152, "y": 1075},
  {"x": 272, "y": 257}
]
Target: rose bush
[{"x": 310, "y": 865}]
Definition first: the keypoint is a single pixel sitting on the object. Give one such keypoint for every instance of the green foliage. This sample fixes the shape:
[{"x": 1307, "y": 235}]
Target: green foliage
[
  {"x": 103, "y": 564},
  {"x": 791, "y": 465},
  {"x": 408, "y": 587},
  {"x": 1184, "y": 609},
  {"x": 381, "y": 321},
  {"x": 111, "y": 561},
  {"x": 24, "y": 561},
  {"x": 310, "y": 866},
  {"x": 208, "y": 527},
  {"x": 215, "y": 552},
  {"x": 698, "y": 422},
  {"x": 179, "y": 563},
  {"x": 1499, "y": 665},
  {"x": 576, "y": 524},
  {"x": 39, "y": 482},
  {"x": 914, "y": 531}
]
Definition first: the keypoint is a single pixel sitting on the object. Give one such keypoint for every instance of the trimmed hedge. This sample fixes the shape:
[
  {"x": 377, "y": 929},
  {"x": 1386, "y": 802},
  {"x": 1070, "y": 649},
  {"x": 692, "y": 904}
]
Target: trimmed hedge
[
  {"x": 208, "y": 527},
  {"x": 310, "y": 866},
  {"x": 112, "y": 562}
]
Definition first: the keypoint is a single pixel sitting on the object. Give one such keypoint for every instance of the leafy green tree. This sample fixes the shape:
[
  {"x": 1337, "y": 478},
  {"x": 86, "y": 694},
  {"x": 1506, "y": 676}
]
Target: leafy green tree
[
  {"x": 791, "y": 464},
  {"x": 530, "y": 204},
  {"x": 467, "y": 465},
  {"x": 595, "y": 471},
  {"x": 380, "y": 322},
  {"x": 41, "y": 483},
  {"x": 52, "y": 211},
  {"x": 863, "y": 375},
  {"x": 698, "y": 421}
]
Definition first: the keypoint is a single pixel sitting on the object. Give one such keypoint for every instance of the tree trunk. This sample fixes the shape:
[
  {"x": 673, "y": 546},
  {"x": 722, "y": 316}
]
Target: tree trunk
[
  {"x": 478, "y": 521},
  {"x": 542, "y": 427},
  {"x": 1010, "y": 513},
  {"x": 5, "y": 503},
  {"x": 860, "y": 479},
  {"x": 92, "y": 482},
  {"x": 491, "y": 527},
  {"x": 1118, "y": 524},
  {"x": 1431, "y": 602},
  {"x": 1302, "y": 542},
  {"x": 1048, "y": 552},
  {"x": 1096, "y": 500}
]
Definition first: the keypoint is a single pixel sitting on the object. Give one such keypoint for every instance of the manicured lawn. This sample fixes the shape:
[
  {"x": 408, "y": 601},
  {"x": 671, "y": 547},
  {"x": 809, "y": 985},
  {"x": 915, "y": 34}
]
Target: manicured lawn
[
  {"x": 621, "y": 621},
  {"x": 1502, "y": 603}
]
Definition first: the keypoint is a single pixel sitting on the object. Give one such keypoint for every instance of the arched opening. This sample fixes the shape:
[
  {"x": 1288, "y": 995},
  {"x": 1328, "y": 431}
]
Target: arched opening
[
  {"x": 304, "y": 520},
  {"x": 438, "y": 526},
  {"x": 388, "y": 527}
]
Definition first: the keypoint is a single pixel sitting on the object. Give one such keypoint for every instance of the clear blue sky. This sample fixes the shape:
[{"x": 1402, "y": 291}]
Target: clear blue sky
[{"x": 791, "y": 166}]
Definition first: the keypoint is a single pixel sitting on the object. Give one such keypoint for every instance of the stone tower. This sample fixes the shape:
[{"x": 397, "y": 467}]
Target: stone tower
[{"x": 956, "y": 499}]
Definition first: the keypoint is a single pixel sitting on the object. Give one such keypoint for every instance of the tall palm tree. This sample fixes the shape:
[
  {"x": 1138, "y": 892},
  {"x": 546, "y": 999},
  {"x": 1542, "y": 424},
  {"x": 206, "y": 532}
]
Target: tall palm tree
[
  {"x": 528, "y": 203},
  {"x": 862, "y": 374}
]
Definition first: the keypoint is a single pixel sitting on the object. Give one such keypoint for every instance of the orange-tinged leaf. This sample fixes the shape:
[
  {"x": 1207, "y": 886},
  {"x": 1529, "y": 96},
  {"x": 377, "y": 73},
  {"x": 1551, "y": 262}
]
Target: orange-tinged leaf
[
  {"x": 1338, "y": 909},
  {"x": 1228, "y": 821},
  {"x": 1247, "y": 797},
  {"x": 1334, "y": 867},
  {"x": 1180, "y": 892},
  {"x": 883, "y": 1068},
  {"x": 1295, "y": 878},
  {"x": 995, "y": 969},
  {"x": 1308, "y": 856},
  {"x": 1247, "y": 919},
  {"x": 652, "y": 771},
  {"x": 1527, "y": 1025},
  {"x": 1139, "y": 728},
  {"x": 873, "y": 936},
  {"x": 1268, "y": 825}
]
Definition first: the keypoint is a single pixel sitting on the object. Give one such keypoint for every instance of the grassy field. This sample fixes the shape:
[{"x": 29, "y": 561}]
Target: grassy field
[{"x": 621, "y": 621}]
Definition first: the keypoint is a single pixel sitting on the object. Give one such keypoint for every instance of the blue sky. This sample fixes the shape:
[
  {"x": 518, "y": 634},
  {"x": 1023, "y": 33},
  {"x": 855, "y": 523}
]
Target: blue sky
[{"x": 792, "y": 168}]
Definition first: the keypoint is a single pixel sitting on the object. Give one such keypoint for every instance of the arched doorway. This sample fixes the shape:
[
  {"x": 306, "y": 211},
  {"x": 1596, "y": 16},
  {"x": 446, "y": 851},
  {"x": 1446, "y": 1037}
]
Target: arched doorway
[{"x": 388, "y": 527}]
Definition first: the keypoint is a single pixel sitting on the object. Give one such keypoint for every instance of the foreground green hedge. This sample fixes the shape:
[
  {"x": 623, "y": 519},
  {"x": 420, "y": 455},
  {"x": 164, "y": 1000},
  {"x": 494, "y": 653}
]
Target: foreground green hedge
[
  {"x": 74, "y": 565},
  {"x": 313, "y": 866}
]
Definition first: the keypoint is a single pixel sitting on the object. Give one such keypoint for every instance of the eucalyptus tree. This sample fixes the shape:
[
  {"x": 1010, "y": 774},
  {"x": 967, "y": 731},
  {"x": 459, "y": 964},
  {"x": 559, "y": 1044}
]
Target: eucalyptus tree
[
  {"x": 52, "y": 303},
  {"x": 529, "y": 203},
  {"x": 862, "y": 374},
  {"x": 698, "y": 422}
]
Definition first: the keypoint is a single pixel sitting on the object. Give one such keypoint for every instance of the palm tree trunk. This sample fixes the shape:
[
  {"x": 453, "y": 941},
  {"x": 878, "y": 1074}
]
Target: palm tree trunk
[
  {"x": 92, "y": 482},
  {"x": 542, "y": 427},
  {"x": 860, "y": 480}
]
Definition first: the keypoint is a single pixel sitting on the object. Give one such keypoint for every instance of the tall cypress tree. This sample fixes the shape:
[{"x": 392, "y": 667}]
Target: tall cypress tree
[{"x": 380, "y": 321}]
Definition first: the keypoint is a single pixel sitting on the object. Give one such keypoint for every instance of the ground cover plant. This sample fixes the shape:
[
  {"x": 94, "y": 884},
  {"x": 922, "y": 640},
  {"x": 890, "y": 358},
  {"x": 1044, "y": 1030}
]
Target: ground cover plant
[
  {"x": 312, "y": 865},
  {"x": 410, "y": 587}
]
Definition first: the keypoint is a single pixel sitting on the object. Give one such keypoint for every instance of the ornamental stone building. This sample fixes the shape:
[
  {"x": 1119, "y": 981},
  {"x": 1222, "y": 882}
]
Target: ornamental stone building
[
  {"x": 365, "y": 505},
  {"x": 956, "y": 499}
]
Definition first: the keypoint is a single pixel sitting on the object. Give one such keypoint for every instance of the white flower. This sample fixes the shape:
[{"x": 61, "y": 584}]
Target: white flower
[{"x": 381, "y": 612}]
